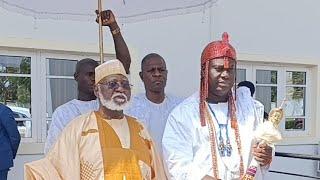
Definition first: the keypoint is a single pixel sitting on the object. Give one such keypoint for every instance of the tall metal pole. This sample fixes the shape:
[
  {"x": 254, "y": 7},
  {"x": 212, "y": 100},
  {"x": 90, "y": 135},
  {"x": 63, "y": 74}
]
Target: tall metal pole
[{"x": 100, "y": 32}]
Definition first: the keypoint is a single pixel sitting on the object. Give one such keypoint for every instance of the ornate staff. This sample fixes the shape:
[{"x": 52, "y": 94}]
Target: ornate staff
[
  {"x": 268, "y": 133},
  {"x": 100, "y": 32}
]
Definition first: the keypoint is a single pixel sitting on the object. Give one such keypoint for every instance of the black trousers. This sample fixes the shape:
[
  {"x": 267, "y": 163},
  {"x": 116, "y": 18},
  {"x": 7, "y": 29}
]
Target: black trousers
[{"x": 4, "y": 174}]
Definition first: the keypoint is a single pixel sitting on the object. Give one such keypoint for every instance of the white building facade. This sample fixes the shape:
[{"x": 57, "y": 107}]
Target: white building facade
[{"x": 278, "y": 50}]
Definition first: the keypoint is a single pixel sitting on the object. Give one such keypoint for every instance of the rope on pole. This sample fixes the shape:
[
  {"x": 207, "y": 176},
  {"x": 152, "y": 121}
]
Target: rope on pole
[{"x": 100, "y": 32}]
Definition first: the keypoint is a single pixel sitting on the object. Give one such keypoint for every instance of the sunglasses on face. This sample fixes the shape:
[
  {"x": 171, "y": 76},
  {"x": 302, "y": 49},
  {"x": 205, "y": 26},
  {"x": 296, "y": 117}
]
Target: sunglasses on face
[{"x": 116, "y": 84}]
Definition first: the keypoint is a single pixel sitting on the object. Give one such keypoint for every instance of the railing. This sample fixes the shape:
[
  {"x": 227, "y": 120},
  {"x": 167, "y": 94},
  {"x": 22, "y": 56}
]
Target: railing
[{"x": 298, "y": 156}]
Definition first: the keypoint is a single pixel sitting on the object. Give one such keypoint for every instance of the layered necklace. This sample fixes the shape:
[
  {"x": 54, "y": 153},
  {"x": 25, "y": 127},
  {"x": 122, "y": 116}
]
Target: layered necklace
[{"x": 225, "y": 149}]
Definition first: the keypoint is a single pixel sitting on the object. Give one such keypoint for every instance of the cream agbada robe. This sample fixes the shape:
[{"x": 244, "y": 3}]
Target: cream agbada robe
[{"x": 77, "y": 154}]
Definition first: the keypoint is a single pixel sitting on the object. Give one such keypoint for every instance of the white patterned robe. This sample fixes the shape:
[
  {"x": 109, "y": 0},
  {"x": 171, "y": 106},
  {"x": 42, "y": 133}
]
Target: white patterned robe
[{"x": 186, "y": 145}]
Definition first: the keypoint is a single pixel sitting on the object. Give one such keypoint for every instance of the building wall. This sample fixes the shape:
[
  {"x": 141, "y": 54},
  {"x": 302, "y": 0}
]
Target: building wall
[
  {"x": 283, "y": 28},
  {"x": 269, "y": 31},
  {"x": 296, "y": 166}
]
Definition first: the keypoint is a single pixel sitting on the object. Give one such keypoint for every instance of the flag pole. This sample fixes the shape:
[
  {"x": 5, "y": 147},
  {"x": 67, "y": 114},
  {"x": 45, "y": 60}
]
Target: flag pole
[{"x": 100, "y": 32}]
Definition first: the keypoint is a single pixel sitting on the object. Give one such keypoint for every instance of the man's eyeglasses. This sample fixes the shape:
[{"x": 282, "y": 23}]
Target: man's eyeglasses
[{"x": 115, "y": 85}]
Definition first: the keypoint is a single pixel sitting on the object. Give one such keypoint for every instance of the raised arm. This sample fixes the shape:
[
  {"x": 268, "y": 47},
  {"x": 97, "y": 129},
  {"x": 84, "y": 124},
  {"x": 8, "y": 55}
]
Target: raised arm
[{"x": 121, "y": 48}]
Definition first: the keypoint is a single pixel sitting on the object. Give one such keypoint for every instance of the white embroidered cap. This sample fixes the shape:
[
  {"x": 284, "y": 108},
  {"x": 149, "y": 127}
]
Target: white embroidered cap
[{"x": 109, "y": 67}]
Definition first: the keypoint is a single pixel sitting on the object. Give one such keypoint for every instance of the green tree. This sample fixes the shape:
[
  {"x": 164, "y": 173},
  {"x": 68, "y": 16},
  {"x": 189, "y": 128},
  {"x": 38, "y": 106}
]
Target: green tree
[{"x": 16, "y": 89}]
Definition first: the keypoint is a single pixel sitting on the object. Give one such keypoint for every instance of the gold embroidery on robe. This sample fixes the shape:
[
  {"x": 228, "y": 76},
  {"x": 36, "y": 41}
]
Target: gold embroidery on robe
[
  {"x": 118, "y": 162},
  {"x": 86, "y": 171},
  {"x": 85, "y": 133}
]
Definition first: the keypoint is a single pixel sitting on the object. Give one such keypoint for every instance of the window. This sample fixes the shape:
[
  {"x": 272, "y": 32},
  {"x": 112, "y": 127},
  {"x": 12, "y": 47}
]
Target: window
[
  {"x": 60, "y": 84},
  {"x": 241, "y": 75},
  {"x": 277, "y": 82},
  {"x": 15, "y": 90},
  {"x": 296, "y": 100},
  {"x": 266, "y": 88}
]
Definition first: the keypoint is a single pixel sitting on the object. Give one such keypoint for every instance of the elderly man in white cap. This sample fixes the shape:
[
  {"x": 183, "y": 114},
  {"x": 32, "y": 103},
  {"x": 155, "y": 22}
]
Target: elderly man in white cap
[{"x": 103, "y": 144}]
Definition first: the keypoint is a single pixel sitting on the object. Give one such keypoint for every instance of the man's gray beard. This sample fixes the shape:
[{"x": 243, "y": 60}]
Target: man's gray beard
[{"x": 110, "y": 104}]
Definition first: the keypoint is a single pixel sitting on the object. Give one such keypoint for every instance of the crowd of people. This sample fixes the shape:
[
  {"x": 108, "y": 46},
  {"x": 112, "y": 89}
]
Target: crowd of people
[{"x": 107, "y": 134}]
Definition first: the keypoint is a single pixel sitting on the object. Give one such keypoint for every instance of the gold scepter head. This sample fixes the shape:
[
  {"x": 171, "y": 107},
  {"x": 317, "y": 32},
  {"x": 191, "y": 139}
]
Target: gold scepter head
[{"x": 276, "y": 114}]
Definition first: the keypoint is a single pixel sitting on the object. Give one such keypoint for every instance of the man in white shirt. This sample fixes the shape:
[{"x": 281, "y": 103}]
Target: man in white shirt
[
  {"x": 153, "y": 106},
  {"x": 84, "y": 75}
]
